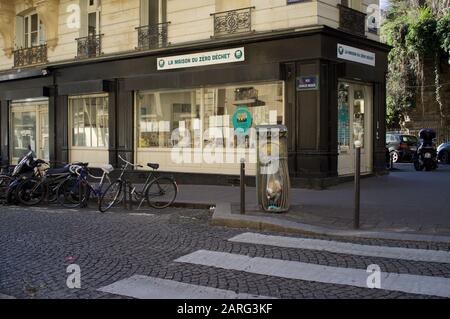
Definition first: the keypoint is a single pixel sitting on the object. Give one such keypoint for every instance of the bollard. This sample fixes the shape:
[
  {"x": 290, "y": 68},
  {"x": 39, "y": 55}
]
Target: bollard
[
  {"x": 242, "y": 183},
  {"x": 357, "y": 184},
  {"x": 392, "y": 162},
  {"x": 125, "y": 194}
]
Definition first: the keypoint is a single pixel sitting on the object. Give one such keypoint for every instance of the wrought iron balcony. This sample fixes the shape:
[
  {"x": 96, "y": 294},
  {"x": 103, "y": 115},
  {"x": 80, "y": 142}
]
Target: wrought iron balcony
[
  {"x": 89, "y": 47},
  {"x": 153, "y": 36},
  {"x": 30, "y": 56},
  {"x": 232, "y": 22},
  {"x": 352, "y": 21}
]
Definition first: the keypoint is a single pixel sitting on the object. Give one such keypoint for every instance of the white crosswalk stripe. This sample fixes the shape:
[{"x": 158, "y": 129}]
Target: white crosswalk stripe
[
  {"x": 144, "y": 287},
  {"x": 345, "y": 248},
  {"x": 426, "y": 285},
  {"x": 155, "y": 288}
]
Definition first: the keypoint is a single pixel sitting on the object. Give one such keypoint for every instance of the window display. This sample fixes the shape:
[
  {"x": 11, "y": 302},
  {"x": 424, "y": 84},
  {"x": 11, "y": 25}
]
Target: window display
[
  {"x": 206, "y": 115},
  {"x": 29, "y": 128},
  {"x": 89, "y": 121}
]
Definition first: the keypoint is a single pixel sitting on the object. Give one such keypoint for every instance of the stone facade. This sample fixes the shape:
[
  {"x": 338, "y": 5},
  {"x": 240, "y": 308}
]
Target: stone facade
[{"x": 427, "y": 114}]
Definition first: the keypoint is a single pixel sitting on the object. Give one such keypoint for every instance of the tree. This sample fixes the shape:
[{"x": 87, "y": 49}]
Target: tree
[{"x": 417, "y": 30}]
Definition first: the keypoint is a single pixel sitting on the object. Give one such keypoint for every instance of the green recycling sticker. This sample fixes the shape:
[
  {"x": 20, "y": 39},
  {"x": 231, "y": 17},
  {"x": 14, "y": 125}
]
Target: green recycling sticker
[{"x": 242, "y": 119}]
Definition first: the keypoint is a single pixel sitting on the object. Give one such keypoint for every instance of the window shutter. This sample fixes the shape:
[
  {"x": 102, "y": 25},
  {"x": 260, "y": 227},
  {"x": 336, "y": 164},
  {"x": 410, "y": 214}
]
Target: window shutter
[
  {"x": 83, "y": 18},
  {"x": 144, "y": 12},
  {"x": 20, "y": 33}
]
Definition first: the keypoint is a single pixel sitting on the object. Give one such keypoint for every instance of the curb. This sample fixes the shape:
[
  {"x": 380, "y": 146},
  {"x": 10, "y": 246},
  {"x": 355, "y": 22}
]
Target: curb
[
  {"x": 223, "y": 217},
  {"x": 4, "y": 297}
]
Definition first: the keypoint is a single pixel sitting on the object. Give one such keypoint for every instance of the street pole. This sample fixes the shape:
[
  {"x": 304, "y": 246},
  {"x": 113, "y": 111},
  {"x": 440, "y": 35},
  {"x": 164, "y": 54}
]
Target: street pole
[
  {"x": 357, "y": 184},
  {"x": 242, "y": 184}
]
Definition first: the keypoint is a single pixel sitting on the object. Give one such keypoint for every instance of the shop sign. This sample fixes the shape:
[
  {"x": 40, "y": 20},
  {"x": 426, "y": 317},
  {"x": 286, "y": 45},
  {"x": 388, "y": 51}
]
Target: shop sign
[
  {"x": 355, "y": 55},
  {"x": 201, "y": 59},
  {"x": 305, "y": 83},
  {"x": 242, "y": 119}
]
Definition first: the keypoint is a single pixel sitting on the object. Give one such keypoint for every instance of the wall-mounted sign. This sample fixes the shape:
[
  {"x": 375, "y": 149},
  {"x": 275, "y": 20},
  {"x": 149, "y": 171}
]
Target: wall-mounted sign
[
  {"x": 201, "y": 59},
  {"x": 242, "y": 118},
  {"x": 355, "y": 55},
  {"x": 310, "y": 82}
]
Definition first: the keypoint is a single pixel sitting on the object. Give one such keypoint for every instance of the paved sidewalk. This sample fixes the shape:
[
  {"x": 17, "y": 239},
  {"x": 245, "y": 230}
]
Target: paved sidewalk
[{"x": 404, "y": 201}]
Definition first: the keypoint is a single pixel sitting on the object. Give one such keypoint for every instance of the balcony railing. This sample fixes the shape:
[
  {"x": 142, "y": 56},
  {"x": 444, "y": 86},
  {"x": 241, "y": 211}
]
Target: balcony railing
[
  {"x": 232, "y": 22},
  {"x": 89, "y": 47},
  {"x": 30, "y": 56},
  {"x": 352, "y": 21},
  {"x": 153, "y": 36}
]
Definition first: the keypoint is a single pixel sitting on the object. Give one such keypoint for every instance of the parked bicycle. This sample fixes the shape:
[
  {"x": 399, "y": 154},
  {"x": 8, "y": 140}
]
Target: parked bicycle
[
  {"x": 77, "y": 190},
  {"x": 159, "y": 192},
  {"x": 43, "y": 185}
]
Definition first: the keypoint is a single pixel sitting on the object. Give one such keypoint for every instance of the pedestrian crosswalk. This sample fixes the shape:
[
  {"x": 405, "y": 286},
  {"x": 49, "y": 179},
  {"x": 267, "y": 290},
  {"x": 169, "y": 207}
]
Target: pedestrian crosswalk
[
  {"x": 345, "y": 248},
  {"x": 411, "y": 283},
  {"x": 144, "y": 287}
]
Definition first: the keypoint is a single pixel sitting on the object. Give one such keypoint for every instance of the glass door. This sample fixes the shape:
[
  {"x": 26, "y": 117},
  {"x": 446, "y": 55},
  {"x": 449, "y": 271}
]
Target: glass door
[{"x": 354, "y": 124}]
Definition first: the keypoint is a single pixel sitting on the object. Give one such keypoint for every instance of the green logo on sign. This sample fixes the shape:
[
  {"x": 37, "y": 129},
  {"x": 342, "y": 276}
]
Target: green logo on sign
[
  {"x": 162, "y": 63},
  {"x": 341, "y": 50},
  {"x": 238, "y": 54},
  {"x": 242, "y": 119}
]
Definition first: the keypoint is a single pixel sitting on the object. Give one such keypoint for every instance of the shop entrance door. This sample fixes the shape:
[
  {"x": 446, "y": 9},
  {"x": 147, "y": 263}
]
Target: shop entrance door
[
  {"x": 354, "y": 123},
  {"x": 29, "y": 127}
]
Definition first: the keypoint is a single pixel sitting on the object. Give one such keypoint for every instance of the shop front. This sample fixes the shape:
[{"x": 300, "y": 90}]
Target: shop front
[{"x": 194, "y": 109}]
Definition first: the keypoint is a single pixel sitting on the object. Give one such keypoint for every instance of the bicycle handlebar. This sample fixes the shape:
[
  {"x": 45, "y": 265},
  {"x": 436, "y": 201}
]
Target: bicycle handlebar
[{"x": 131, "y": 164}]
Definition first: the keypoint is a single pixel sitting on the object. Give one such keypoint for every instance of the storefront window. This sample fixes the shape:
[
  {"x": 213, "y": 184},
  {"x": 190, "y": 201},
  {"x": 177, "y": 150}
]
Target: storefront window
[
  {"x": 24, "y": 132},
  {"x": 208, "y": 112},
  {"x": 29, "y": 128},
  {"x": 263, "y": 103},
  {"x": 343, "y": 118},
  {"x": 89, "y": 121},
  {"x": 358, "y": 116},
  {"x": 160, "y": 113}
]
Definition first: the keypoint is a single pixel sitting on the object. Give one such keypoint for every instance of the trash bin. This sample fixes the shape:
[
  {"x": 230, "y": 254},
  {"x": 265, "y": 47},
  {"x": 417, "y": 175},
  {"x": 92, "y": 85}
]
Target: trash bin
[{"x": 272, "y": 172}]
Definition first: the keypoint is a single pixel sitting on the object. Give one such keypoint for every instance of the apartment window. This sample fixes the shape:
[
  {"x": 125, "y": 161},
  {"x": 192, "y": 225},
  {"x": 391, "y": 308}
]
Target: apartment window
[
  {"x": 30, "y": 31},
  {"x": 354, "y": 4},
  {"x": 90, "y": 17},
  {"x": 153, "y": 12},
  {"x": 89, "y": 121}
]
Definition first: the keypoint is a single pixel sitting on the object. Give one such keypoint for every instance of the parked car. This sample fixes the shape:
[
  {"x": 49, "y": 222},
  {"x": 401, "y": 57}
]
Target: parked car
[
  {"x": 444, "y": 153},
  {"x": 402, "y": 147}
]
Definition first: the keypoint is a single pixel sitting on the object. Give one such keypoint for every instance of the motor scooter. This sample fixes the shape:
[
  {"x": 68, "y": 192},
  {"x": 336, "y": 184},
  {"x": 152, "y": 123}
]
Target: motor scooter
[{"x": 426, "y": 154}]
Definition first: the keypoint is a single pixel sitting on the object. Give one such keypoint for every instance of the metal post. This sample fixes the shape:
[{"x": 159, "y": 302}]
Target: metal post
[
  {"x": 357, "y": 184},
  {"x": 125, "y": 193},
  {"x": 242, "y": 182},
  {"x": 391, "y": 161}
]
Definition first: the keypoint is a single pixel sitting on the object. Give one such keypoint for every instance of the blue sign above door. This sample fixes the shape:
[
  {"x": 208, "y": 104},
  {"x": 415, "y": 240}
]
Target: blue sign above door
[{"x": 310, "y": 82}]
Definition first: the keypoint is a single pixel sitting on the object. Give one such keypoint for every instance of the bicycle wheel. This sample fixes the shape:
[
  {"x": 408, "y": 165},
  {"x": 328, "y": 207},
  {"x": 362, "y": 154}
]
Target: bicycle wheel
[
  {"x": 112, "y": 196},
  {"x": 161, "y": 193},
  {"x": 31, "y": 192},
  {"x": 71, "y": 194}
]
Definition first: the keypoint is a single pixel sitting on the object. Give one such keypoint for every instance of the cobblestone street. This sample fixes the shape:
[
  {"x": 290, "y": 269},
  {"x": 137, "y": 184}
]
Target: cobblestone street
[{"x": 37, "y": 245}]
